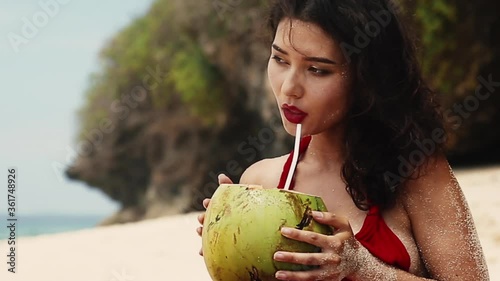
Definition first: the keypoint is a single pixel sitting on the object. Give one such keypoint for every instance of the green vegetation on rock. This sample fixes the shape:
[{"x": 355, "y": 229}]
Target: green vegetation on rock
[{"x": 186, "y": 82}]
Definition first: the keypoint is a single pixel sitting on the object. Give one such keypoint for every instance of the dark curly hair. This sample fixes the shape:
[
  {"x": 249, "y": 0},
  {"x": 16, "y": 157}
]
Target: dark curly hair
[{"x": 394, "y": 123}]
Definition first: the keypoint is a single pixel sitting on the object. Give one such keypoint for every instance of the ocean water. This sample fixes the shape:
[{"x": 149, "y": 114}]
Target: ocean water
[{"x": 33, "y": 225}]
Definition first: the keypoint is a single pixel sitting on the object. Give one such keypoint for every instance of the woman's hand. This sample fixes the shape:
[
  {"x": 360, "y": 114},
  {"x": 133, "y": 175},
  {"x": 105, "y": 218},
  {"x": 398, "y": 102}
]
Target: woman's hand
[
  {"x": 337, "y": 258},
  {"x": 223, "y": 179}
]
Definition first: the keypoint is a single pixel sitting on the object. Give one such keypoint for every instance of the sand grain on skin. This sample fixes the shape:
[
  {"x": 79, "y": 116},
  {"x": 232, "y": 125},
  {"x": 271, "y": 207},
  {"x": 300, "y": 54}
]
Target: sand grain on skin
[{"x": 167, "y": 248}]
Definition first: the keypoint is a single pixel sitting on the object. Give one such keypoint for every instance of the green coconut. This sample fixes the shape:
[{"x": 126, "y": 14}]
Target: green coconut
[{"x": 241, "y": 231}]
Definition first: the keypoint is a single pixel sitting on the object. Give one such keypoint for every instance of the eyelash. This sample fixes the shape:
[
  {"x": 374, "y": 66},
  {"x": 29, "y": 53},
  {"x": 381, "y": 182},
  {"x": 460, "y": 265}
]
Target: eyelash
[
  {"x": 319, "y": 72},
  {"x": 314, "y": 70},
  {"x": 278, "y": 59}
]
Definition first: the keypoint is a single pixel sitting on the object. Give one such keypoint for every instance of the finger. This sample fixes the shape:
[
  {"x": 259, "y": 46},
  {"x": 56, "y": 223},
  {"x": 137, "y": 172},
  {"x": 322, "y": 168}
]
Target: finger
[
  {"x": 337, "y": 222},
  {"x": 316, "y": 274},
  {"x": 199, "y": 230},
  {"x": 223, "y": 179},
  {"x": 307, "y": 258},
  {"x": 206, "y": 202},
  {"x": 201, "y": 218},
  {"x": 313, "y": 238}
]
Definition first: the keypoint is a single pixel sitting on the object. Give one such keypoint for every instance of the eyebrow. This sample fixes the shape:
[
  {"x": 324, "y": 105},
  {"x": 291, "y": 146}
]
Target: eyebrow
[{"x": 316, "y": 59}]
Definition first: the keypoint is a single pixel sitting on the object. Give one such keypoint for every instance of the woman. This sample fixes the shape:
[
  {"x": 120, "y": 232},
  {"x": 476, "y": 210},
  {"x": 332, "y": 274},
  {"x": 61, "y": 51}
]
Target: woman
[{"x": 346, "y": 70}]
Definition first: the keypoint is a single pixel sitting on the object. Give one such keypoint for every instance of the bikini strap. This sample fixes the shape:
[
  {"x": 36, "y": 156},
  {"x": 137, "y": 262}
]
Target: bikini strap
[
  {"x": 373, "y": 210},
  {"x": 304, "y": 143}
]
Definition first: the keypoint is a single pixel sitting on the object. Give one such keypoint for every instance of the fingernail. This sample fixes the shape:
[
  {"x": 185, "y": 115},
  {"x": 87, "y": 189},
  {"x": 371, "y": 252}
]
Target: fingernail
[
  {"x": 278, "y": 256},
  {"x": 280, "y": 275},
  {"x": 286, "y": 230},
  {"x": 318, "y": 215}
]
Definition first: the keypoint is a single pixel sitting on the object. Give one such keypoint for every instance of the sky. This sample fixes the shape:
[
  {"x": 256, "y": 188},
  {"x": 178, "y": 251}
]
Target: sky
[{"x": 48, "y": 49}]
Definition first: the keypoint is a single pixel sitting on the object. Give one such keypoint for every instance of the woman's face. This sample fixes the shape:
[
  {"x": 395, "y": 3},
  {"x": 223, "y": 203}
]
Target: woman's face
[{"x": 310, "y": 78}]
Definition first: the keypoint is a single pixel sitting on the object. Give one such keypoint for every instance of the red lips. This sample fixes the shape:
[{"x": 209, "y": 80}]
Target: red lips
[{"x": 293, "y": 114}]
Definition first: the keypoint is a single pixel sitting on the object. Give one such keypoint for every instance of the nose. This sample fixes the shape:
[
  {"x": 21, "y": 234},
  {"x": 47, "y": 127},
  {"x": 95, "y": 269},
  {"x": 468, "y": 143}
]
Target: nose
[{"x": 293, "y": 85}]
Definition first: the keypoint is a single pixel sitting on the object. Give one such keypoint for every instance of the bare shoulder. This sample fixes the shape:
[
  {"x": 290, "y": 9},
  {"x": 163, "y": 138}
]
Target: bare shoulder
[
  {"x": 265, "y": 172},
  {"x": 433, "y": 177},
  {"x": 433, "y": 182},
  {"x": 442, "y": 224}
]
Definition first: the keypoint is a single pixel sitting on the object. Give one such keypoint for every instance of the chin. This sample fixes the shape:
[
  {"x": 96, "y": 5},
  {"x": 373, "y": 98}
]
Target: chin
[{"x": 291, "y": 129}]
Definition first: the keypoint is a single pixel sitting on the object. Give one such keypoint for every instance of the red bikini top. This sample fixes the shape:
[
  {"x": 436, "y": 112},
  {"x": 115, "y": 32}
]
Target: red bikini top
[{"x": 374, "y": 235}]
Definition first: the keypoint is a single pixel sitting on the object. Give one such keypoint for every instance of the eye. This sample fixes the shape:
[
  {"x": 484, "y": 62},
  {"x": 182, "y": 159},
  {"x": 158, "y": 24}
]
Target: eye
[
  {"x": 318, "y": 71},
  {"x": 278, "y": 59}
]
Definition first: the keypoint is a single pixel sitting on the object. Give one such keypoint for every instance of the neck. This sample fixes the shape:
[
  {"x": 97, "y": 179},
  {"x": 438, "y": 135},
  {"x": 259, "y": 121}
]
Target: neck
[{"x": 327, "y": 150}]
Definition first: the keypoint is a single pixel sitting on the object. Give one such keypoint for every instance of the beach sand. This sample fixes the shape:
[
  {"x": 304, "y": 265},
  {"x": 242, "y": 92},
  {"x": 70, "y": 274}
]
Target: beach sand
[{"x": 166, "y": 249}]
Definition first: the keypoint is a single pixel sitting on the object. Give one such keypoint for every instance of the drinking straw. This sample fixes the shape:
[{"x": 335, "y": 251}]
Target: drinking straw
[{"x": 295, "y": 157}]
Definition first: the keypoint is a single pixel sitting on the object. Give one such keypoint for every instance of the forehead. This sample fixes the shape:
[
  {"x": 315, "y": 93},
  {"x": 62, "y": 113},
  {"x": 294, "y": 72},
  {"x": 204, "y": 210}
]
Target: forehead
[{"x": 307, "y": 39}]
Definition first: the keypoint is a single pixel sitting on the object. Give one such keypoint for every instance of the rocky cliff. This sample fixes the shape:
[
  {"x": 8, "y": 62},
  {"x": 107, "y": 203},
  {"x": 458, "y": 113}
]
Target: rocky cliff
[{"x": 182, "y": 95}]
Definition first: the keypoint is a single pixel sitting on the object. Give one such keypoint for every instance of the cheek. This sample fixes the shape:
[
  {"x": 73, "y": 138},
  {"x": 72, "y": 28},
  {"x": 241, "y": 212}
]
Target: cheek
[
  {"x": 334, "y": 100},
  {"x": 273, "y": 75}
]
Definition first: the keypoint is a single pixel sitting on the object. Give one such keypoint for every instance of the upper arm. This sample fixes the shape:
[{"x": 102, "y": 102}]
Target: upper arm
[
  {"x": 443, "y": 226},
  {"x": 265, "y": 172}
]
